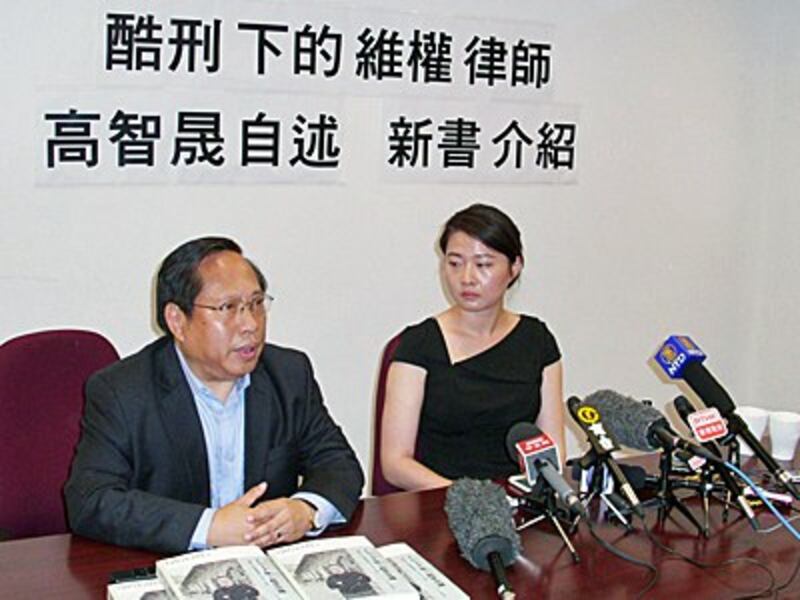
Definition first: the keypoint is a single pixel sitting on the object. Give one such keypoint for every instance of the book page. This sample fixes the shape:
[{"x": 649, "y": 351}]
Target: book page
[
  {"x": 337, "y": 568},
  {"x": 237, "y": 572},
  {"x": 431, "y": 583},
  {"x": 140, "y": 589}
]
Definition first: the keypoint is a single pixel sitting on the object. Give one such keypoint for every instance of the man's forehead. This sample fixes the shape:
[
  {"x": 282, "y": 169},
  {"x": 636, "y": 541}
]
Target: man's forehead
[
  {"x": 224, "y": 268},
  {"x": 221, "y": 257}
]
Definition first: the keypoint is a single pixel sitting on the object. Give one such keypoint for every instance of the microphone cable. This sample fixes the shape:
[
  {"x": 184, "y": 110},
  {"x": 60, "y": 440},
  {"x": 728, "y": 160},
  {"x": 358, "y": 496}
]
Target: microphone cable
[
  {"x": 676, "y": 554},
  {"x": 772, "y": 528},
  {"x": 764, "y": 499},
  {"x": 789, "y": 581},
  {"x": 608, "y": 547},
  {"x": 779, "y": 525},
  {"x": 782, "y": 522},
  {"x": 770, "y": 590}
]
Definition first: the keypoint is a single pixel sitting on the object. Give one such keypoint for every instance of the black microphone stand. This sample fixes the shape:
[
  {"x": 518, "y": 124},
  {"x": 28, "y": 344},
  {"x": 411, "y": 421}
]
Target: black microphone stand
[
  {"x": 597, "y": 464},
  {"x": 541, "y": 503},
  {"x": 705, "y": 488},
  {"x": 714, "y": 478},
  {"x": 734, "y": 451},
  {"x": 666, "y": 499},
  {"x": 713, "y": 481}
]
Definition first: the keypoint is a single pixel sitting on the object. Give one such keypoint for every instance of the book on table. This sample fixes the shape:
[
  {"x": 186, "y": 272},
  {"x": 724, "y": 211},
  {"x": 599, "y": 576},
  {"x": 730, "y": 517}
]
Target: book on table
[
  {"x": 138, "y": 589},
  {"x": 320, "y": 569}
]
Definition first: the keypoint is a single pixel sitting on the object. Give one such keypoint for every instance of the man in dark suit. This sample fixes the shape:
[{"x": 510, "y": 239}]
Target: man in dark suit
[{"x": 209, "y": 437}]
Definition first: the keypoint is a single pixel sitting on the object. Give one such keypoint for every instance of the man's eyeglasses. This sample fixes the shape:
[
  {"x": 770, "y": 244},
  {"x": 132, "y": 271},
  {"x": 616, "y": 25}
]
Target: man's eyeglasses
[{"x": 230, "y": 309}]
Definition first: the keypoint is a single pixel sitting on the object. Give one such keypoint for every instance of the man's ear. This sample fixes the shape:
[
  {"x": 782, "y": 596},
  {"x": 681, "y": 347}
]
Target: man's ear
[{"x": 176, "y": 320}]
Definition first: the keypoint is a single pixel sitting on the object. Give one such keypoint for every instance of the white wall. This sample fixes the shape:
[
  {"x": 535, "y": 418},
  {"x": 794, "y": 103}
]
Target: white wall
[
  {"x": 774, "y": 323},
  {"x": 682, "y": 220}
]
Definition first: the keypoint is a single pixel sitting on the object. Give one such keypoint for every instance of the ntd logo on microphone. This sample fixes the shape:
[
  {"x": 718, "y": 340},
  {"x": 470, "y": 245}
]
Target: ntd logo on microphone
[{"x": 677, "y": 352}]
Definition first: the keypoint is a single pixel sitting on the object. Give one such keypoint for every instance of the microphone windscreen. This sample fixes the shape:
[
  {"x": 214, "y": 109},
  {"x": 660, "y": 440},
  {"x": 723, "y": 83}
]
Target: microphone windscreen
[
  {"x": 627, "y": 420},
  {"x": 480, "y": 518},
  {"x": 523, "y": 430}
]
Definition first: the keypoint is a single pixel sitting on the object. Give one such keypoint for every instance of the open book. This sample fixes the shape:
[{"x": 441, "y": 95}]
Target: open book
[
  {"x": 138, "y": 589},
  {"x": 427, "y": 579},
  {"x": 323, "y": 569}
]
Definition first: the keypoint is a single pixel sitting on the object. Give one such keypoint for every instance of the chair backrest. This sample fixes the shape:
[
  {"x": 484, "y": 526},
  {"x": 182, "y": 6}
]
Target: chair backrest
[
  {"x": 42, "y": 379},
  {"x": 379, "y": 484}
]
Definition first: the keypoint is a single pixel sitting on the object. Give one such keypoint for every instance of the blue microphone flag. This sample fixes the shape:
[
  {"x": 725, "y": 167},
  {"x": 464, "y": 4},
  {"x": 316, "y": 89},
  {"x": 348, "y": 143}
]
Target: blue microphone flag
[{"x": 676, "y": 353}]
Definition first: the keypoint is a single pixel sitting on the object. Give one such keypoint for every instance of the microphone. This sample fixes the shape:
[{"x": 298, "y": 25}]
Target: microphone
[
  {"x": 684, "y": 408},
  {"x": 681, "y": 358},
  {"x": 538, "y": 457},
  {"x": 479, "y": 515},
  {"x": 640, "y": 426},
  {"x": 603, "y": 444}
]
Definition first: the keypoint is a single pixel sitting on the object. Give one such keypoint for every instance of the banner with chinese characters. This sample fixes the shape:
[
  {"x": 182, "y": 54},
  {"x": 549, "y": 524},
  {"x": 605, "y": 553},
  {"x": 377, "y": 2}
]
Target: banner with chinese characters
[
  {"x": 250, "y": 91},
  {"x": 157, "y": 137},
  {"x": 501, "y": 142}
]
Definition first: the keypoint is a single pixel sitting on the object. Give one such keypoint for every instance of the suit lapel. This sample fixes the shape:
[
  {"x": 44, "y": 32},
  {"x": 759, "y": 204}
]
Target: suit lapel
[
  {"x": 182, "y": 423},
  {"x": 259, "y": 402}
]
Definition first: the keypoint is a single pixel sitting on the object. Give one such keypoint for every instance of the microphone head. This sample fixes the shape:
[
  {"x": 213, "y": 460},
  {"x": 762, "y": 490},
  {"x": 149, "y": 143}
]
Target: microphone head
[
  {"x": 522, "y": 430},
  {"x": 683, "y": 407},
  {"x": 573, "y": 404},
  {"x": 529, "y": 446},
  {"x": 479, "y": 515},
  {"x": 628, "y": 420},
  {"x": 680, "y": 357}
]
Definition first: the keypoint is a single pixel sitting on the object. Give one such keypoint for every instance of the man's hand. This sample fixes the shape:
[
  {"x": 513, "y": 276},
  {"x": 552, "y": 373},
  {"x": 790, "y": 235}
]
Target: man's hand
[
  {"x": 230, "y": 524},
  {"x": 279, "y": 521}
]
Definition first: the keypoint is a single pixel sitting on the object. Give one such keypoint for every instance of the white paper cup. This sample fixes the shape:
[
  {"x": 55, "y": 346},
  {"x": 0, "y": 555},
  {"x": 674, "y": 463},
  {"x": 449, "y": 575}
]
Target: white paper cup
[
  {"x": 784, "y": 431},
  {"x": 757, "y": 420}
]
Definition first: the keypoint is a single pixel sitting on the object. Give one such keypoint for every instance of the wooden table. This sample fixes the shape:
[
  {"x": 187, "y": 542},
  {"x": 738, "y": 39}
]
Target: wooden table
[{"x": 67, "y": 566}]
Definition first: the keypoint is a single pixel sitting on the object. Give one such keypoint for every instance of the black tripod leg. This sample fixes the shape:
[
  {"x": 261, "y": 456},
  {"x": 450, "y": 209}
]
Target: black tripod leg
[
  {"x": 726, "y": 505},
  {"x": 620, "y": 517},
  {"x": 575, "y": 558},
  {"x": 674, "y": 502}
]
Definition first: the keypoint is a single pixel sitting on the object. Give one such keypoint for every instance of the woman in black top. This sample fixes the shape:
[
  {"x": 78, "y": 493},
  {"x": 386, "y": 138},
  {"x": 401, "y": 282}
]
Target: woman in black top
[{"x": 461, "y": 379}]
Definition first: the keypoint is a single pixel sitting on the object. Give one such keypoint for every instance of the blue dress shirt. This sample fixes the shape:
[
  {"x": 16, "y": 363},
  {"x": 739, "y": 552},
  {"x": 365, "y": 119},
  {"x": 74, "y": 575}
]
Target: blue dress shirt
[{"x": 223, "y": 430}]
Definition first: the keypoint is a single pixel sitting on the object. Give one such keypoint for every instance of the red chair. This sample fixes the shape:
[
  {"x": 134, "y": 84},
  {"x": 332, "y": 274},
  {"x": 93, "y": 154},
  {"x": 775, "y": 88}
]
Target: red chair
[
  {"x": 379, "y": 484},
  {"x": 42, "y": 379}
]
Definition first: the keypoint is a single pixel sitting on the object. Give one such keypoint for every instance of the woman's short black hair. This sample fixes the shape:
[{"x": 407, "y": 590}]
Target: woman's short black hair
[
  {"x": 488, "y": 224},
  {"x": 178, "y": 279}
]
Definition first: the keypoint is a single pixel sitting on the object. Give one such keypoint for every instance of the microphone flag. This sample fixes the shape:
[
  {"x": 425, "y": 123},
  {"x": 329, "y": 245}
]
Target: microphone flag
[
  {"x": 677, "y": 352},
  {"x": 533, "y": 449},
  {"x": 707, "y": 425}
]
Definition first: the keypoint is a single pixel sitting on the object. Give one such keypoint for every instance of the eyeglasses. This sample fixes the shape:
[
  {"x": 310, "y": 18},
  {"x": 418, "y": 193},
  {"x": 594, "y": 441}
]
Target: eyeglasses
[{"x": 230, "y": 309}]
